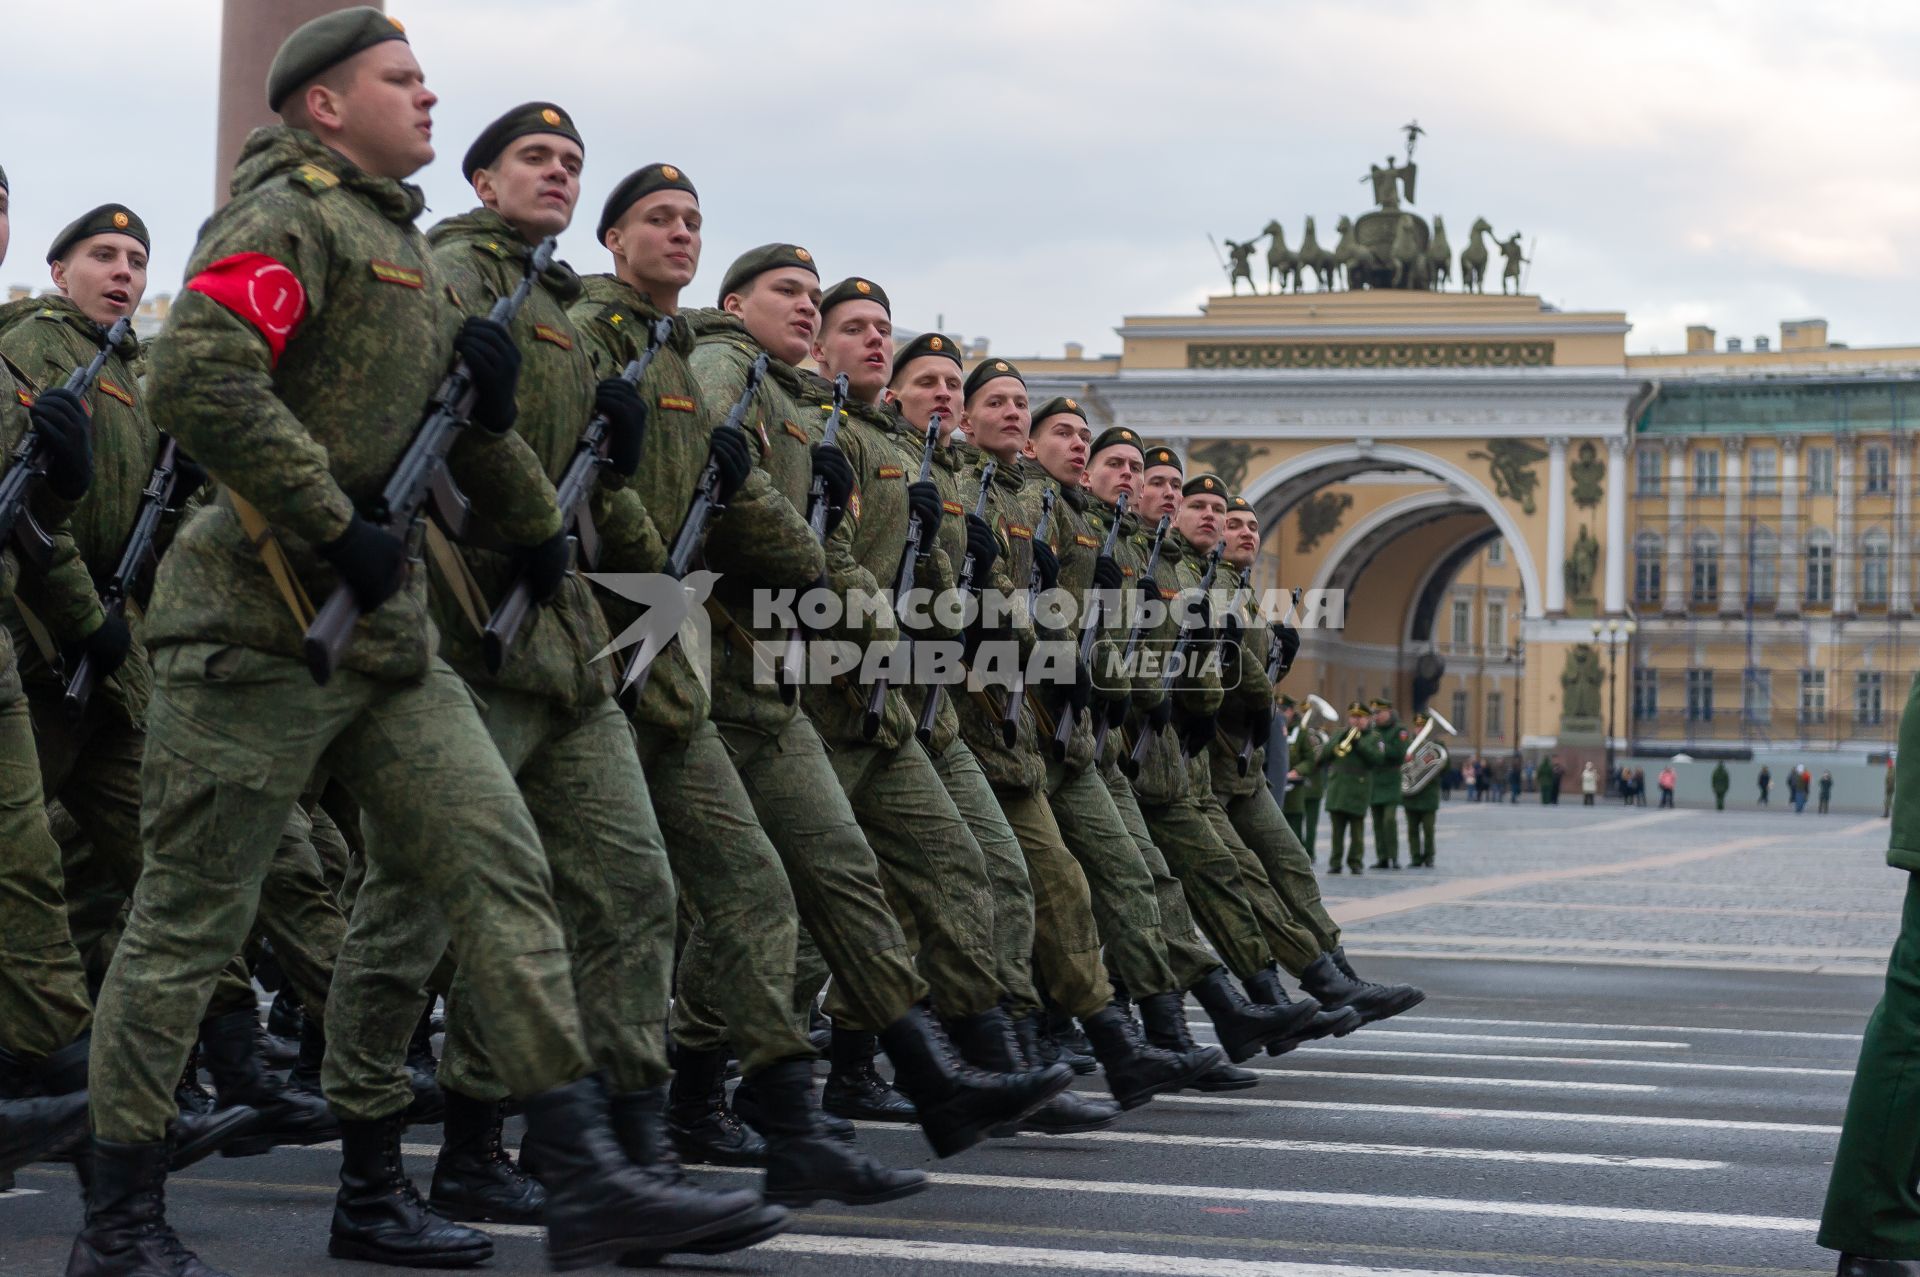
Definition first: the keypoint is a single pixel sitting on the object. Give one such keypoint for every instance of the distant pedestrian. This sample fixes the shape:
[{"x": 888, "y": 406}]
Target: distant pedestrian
[
  {"x": 1797, "y": 788},
  {"x": 1766, "y": 783},
  {"x": 1667, "y": 782},
  {"x": 1826, "y": 790},
  {"x": 1589, "y": 785},
  {"x": 1721, "y": 783},
  {"x": 1514, "y": 769}
]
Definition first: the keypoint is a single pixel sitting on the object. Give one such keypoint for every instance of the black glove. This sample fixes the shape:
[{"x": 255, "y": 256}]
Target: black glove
[
  {"x": 1261, "y": 728},
  {"x": 1160, "y": 715},
  {"x": 923, "y": 501},
  {"x": 832, "y": 466},
  {"x": 545, "y": 565},
  {"x": 65, "y": 443},
  {"x": 189, "y": 476},
  {"x": 982, "y": 545},
  {"x": 1107, "y": 574},
  {"x": 1047, "y": 564},
  {"x": 734, "y": 456},
  {"x": 371, "y": 563},
  {"x": 107, "y": 645},
  {"x": 1289, "y": 646},
  {"x": 1080, "y": 695},
  {"x": 493, "y": 362},
  {"x": 619, "y": 402},
  {"x": 1195, "y": 731},
  {"x": 1194, "y": 614}
]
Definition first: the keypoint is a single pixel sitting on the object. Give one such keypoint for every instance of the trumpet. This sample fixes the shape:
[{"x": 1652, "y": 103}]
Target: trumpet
[{"x": 1346, "y": 743}]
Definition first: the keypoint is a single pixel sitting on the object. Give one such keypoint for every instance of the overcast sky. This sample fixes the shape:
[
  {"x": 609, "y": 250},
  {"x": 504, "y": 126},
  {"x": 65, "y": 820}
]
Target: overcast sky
[{"x": 1034, "y": 170}]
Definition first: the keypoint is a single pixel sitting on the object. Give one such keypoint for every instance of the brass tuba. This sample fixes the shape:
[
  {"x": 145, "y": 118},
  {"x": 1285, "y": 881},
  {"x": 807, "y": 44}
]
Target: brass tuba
[{"x": 1426, "y": 757}]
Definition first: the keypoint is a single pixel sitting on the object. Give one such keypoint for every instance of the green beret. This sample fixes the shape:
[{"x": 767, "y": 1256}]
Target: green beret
[
  {"x": 926, "y": 344},
  {"x": 1205, "y": 484},
  {"x": 108, "y": 219},
  {"x": 855, "y": 289},
  {"x": 635, "y": 187},
  {"x": 1057, "y": 405},
  {"x": 990, "y": 370},
  {"x": 1114, "y": 437},
  {"x": 1240, "y": 505},
  {"x": 524, "y": 120},
  {"x": 756, "y": 262},
  {"x": 317, "y": 47},
  {"x": 3, "y": 180},
  {"x": 1161, "y": 455}
]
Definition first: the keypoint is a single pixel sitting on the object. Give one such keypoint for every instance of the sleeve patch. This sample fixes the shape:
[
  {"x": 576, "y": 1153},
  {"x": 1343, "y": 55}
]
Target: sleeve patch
[
  {"x": 1085, "y": 542},
  {"x": 26, "y": 400},
  {"x": 547, "y": 332},
  {"x": 405, "y": 276},
  {"x": 953, "y": 507},
  {"x": 676, "y": 403},
  {"x": 107, "y": 387},
  {"x": 259, "y": 290},
  {"x": 891, "y": 472},
  {"x": 1020, "y": 530},
  {"x": 796, "y": 431}
]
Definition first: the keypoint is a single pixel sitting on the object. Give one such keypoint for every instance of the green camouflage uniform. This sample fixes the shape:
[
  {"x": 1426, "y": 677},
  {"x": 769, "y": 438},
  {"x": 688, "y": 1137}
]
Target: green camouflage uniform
[
  {"x": 551, "y": 712},
  {"x": 237, "y": 727},
  {"x": 1349, "y": 786},
  {"x": 1386, "y": 749},
  {"x": 730, "y": 879}
]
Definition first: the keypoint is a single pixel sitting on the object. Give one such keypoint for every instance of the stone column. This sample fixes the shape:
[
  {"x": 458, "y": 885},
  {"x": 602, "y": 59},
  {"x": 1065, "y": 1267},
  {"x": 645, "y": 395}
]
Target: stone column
[
  {"x": 1557, "y": 525},
  {"x": 1674, "y": 597},
  {"x": 1845, "y": 450},
  {"x": 250, "y": 34},
  {"x": 1900, "y": 563},
  {"x": 1790, "y": 579},
  {"x": 1733, "y": 539},
  {"x": 1617, "y": 550}
]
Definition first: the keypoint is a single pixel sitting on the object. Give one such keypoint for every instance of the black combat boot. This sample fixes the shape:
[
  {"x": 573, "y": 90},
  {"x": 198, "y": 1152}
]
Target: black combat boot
[
  {"x": 989, "y": 1041},
  {"x": 1135, "y": 1071},
  {"x": 1333, "y": 982},
  {"x": 188, "y": 1093},
  {"x": 1246, "y": 1028},
  {"x": 703, "y": 1128},
  {"x": 43, "y": 1107},
  {"x": 640, "y": 1126},
  {"x": 957, "y": 1103},
  {"x": 855, "y": 1088},
  {"x": 285, "y": 1015},
  {"x": 750, "y": 1108},
  {"x": 240, "y": 1077},
  {"x": 804, "y": 1165},
  {"x": 1165, "y": 1015},
  {"x": 1264, "y": 987},
  {"x": 1860, "y": 1266},
  {"x": 1066, "y": 1113},
  {"x": 1062, "y": 1040},
  {"x": 126, "y": 1233},
  {"x": 601, "y": 1207},
  {"x": 378, "y": 1215},
  {"x": 475, "y": 1179},
  {"x": 429, "y": 1105},
  {"x": 305, "y": 1076}
]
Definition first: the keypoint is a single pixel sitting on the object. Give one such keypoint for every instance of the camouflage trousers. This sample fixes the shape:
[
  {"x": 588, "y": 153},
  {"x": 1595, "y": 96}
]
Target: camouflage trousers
[
  {"x": 737, "y": 968},
  {"x": 1007, "y": 875},
  {"x": 1187, "y": 956},
  {"x": 1262, "y": 827},
  {"x": 233, "y": 735},
  {"x": 1066, "y": 941},
  {"x": 43, "y": 989},
  {"x": 1125, "y": 906},
  {"x": 581, "y": 778},
  {"x": 1210, "y": 879},
  {"x": 1292, "y": 945}
]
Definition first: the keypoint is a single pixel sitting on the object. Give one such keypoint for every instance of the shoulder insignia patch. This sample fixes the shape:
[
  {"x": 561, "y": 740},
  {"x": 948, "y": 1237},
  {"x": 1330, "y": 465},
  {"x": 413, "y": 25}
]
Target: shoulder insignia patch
[
  {"x": 891, "y": 472},
  {"x": 1020, "y": 530},
  {"x": 454, "y": 297},
  {"x": 26, "y": 400},
  {"x": 676, "y": 403},
  {"x": 1126, "y": 572},
  {"x": 795, "y": 431},
  {"x": 405, "y": 276},
  {"x": 853, "y": 504},
  {"x": 315, "y": 178},
  {"x": 109, "y": 388},
  {"x": 953, "y": 507},
  {"x": 546, "y": 332},
  {"x": 1087, "y": 542},
  {"x": 494, "y": 247},
  {"x": 1169, "y": 595}
]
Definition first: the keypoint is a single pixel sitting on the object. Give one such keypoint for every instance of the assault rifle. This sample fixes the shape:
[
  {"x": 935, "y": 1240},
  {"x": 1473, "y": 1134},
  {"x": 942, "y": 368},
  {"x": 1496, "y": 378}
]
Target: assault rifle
[
  {"x": 903, "y": 578},
  {"x": 1135, "y": 633},
  {"x": 572, "y": 495},
  {"x": 420, "y": 480},
  {"x": 706, "y": 507},
  {"x": 1189, "y": 635},
  {"x": 135, "y": 557},
  {"x": 31, "y": 541},
  {"x": 796, "y": 657},
  {"x": 1089, "y": 631},
  {"x": 969, "y": 568},
  {"x": 1017, "y": 693}
]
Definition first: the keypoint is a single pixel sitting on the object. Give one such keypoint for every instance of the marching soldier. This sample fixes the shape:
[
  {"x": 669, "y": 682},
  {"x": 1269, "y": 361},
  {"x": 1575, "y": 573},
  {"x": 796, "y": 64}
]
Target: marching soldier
[
  {"x": 1423, "y": 801},
  {"x": 1385, "y": 748},
  {"x": 1349, "y": 776}
]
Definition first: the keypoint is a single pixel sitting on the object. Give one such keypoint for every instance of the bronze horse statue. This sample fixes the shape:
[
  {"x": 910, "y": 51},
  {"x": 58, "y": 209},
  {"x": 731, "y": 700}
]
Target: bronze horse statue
[
  {"x": 1317, "y": 259},
  {"x": 1408, "y": 256},
  {"x": 1439, "y": 256},
  {"x": 1282, "y": 265},
  {"x": 1350, "y": 254},
  {"x": 1473, "y": 258}
]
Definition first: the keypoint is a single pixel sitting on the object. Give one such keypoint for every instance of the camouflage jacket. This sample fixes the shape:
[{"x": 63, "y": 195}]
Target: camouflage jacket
[
  {"x": 1130, "y": 551},
  {"x": 957, "y": 498},
  {"x": 1166, "y": 774},
  {"x": 296, "y": 367},
  {"x": 1076, "y": 542},
  {"x": 46, "y": 338},
  {"x": 1244, "y": 672},
  {"x": 1020, "y": 768}
]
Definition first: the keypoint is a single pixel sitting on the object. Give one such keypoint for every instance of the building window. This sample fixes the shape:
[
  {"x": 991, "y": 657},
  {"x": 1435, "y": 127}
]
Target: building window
[
  {"x": 1646, "y": 694},
  {"x": 1763, "y": 566},
  {"x": 1462, "y": 622},
  {"x": 1819, "y": 472},
  {"x": 1460, "y": 714},
  {"x": 1819, "y": 566},
  {"x": 1706, "y": 472},
  {"x": 1497, "y": 552},
  {"x": 1706, "y": 569},
  {"x": 1876, "y": 567},
  {"x": 1764, "y": 465},
  {"x": 1646, "y": 472},
  {"x": 1756, "y": 696},
  {"x": 1648, "y": 550},
  {"x": 1496, "y": 626},
  {"x": 1699, "y": 696},
  {"x": 1879, "y": 477},
  {"x": 1813, "y": 696},
  {"x": 1866, "y": 698},
  {"x": 1494, "y": 727}
]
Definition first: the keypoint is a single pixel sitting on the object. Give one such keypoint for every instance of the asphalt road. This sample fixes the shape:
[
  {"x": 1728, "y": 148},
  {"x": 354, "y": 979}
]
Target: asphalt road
[{"x": 1559, "y": 1118}]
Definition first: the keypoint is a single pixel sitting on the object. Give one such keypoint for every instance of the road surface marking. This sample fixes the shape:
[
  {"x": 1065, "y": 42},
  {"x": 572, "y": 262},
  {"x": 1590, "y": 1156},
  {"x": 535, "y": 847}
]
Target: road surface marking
[
  {"x": 1445, "y": 1079},
  {"x": 1409, "y": 1151},
  {"x": 1576, "y": 1060},
  {"x": 1510, "y": 1115},
  {"x": 1632, "y": 1028}
]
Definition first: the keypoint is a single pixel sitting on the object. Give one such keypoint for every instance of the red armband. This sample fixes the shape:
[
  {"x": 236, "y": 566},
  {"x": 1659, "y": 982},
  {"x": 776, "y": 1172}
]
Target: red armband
[{"x": 261, "y": 291}]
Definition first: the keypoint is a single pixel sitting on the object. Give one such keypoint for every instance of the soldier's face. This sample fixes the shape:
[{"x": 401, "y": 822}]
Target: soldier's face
[
  {"x": 1160, "y": 493},
  {"x": 382, "y": 116},
  {"x": 781, "y": 309},
  {"x": 1381, "y": 717},
  {"x": 104, "y": 275},
  {"x": 928, "y": 385},
  {"x": 856, "y": 338},
  {"x": 1199, "y": 519},
  {"x": 534, "y": 184},
  {"x": 1243, "y": 538},
  {"x": 1114, "y": 471},
  {"x": 1060, "y": 445},
  {"x": 659, "y": 239},
  {"x": 997, "y": 417}
]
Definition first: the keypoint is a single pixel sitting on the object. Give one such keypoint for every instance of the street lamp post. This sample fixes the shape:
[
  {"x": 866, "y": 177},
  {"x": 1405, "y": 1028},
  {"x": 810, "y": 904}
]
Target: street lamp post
[{"x": 1616, "y": 632}]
